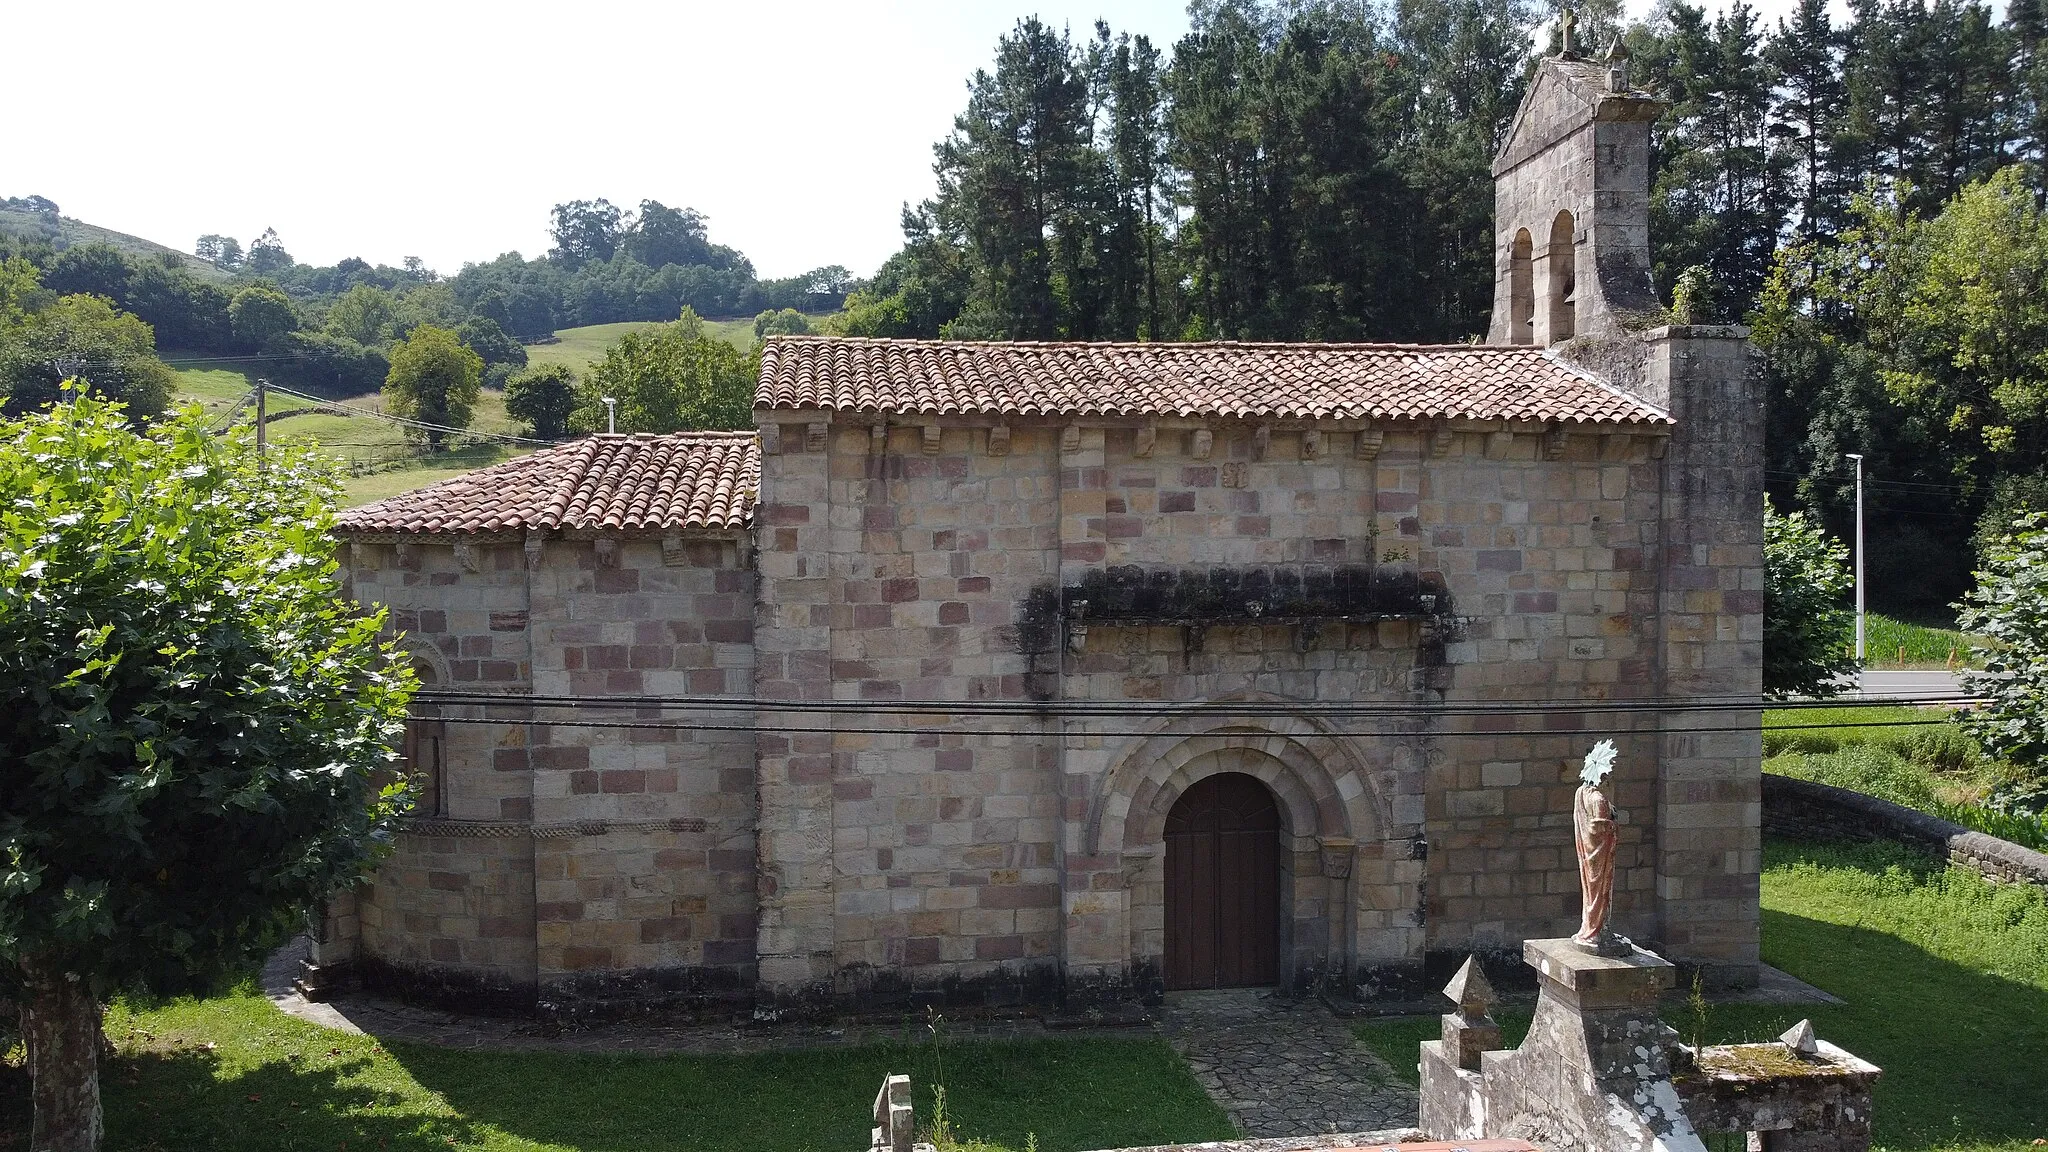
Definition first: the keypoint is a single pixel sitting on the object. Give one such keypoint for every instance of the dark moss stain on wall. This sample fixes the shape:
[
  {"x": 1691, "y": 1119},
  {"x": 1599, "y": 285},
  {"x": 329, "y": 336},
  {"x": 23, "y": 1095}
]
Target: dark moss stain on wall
[{"x": 1133, "y": 596}]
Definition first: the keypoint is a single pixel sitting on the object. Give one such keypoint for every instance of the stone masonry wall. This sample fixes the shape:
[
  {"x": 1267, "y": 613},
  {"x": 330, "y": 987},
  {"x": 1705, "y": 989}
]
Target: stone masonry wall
[
  {"x": 602, "y": 862},
  {"x": 906, "y": 567},
  {"x": 902, "y": 856}
]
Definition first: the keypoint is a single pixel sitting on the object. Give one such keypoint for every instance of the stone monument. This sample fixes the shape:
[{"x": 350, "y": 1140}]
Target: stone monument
[
  {"x": 1600, "y": 1072},
  {"x": 1593, "y": 834}
]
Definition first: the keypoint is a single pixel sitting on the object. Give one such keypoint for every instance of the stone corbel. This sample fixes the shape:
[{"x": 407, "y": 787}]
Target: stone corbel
[
  {"x": 1555, "y": 441},
  {"x": 1070, "y": 439},
  {"x": 1369, "y": 441},
  {"x": 1262, "y": 439},
  {"x": 407, "y": 555},
  {"x": 673, "y": 552},
  {"x": 878, "y": 439},
  {"x": 1311, "y": 444},
  {"x": 1194, "y": 637},
  {"x": 814, "y": 435},
  {"x": 1338, "y": 852},
  {"x": 1136, "y": 863},
  {"x": 1440, "y": 440},
  {"x": 1657, "y": 446},
  {"x": 1077, "y": 627},
  {"x": 1148, "y": 436},
  {"x": 771, "y": 439},
  {"x": 933, "y": 437},
  {"x": 999, "y": 440},
  {"x": 607, "y": 551},
  {"x": 532, "y": 547},
  {"x": 1202, "y": 443},
  {"x": 361, "y": 555},
  {"x": 465, "y": 556}
]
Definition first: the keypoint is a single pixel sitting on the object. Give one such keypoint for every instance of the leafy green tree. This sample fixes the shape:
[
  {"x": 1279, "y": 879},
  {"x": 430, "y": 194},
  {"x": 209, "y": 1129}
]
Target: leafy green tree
[
  {"x": 1808, "y": 626},
  {"x": 543, "y": 396},
  {"x": 2009, "y": 609},
  {"x": 267, "y": 255},
  {"x": 434, "y": 379},
  {"x": 586, "y": 230},
  {"x": 260, "y": 314},
  {"x": 481, "y": 335},
  {"x": 670, "y": 378},
  {"x": 112, "y": 354},
  {"x": 788, "y": 322},
  {"x": 89, "y": 270},
  {"x": 198, "y": 745},
  {"x": 219, "y": 251},
  {"x": 363, "y": 314},
  {"x": 660, "y": 235}
]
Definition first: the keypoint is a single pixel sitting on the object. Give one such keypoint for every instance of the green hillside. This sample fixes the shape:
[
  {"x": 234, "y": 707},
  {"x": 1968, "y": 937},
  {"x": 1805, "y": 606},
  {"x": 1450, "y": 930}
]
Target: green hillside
[
  {"x": 69, "y": 233},
  {"x": 578, "y": 348},
  {"x": 380, "y": 460}
]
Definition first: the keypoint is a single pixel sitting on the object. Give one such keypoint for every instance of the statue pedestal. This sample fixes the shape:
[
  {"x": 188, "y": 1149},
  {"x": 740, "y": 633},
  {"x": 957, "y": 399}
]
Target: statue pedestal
[
  {"x": 1584, "y": 981},
  {"x": 1594, "y": 1072}
]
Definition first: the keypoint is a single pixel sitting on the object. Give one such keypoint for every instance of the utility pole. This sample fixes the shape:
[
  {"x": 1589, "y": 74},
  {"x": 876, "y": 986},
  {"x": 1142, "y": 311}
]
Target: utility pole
[
  {"x": 1858, "y": 458},
  {"x": 261, "y": 435}
]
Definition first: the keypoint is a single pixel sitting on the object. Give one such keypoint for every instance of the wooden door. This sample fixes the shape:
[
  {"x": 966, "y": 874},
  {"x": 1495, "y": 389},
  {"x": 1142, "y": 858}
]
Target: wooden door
[{"x": 1223, "y": 885}]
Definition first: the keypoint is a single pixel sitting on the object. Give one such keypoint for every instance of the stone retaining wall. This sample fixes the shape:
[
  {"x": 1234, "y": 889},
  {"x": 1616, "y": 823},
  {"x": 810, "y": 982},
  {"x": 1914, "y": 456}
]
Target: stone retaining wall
[{"x": 1805, "y": 810}]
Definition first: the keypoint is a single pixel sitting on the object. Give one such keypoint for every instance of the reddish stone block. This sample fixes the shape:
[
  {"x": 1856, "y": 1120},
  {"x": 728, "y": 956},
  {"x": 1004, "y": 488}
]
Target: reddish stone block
[
  {"x": 1198, "y": 477},
  {"x": 580, "y": 957},
  {"x": 1500, "y": 560},
  {"x": 921, "y": 950},
  {"x": 999, "y": 948},
  {"x": 1535, "y": 601},
  {"x": 899, "y": 591},
  {"x": 1176, "y": 501},
  {"x": 664, "y": 931},
  {"x": 447, "y": 881},
  {"x": 953, "y": 613}
]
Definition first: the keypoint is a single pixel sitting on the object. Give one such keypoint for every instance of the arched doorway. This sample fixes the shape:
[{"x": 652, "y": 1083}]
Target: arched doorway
[{"x": 1223, "y": 884}]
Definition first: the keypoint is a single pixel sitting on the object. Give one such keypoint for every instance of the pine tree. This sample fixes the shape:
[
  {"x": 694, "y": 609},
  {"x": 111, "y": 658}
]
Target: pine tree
[{"x": 1807, "y": 55}]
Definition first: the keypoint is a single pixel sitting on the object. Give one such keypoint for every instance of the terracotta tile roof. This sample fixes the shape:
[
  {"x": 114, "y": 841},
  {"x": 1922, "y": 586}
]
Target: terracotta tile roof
[
  {"x": 680, "y": 480},
  {"x": 1225, "y": 379}
]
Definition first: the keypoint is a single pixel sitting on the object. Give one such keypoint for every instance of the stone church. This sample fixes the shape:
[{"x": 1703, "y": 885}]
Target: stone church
[{"x": 999, "y": 673}]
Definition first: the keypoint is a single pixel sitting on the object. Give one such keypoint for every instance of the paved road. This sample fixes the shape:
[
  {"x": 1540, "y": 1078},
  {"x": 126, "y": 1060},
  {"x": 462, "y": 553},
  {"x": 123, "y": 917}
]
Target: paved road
[{"x": 1915, "y": 683}]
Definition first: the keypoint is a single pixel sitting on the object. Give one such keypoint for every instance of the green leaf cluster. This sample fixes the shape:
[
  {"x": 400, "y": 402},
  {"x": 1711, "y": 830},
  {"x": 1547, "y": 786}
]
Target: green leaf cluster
[
  {"x": 435, "y": 379},
  {"x": 2009, "y": 609},
  {"x": 669, "y": 378},
  {"x": 198, "y": 730},
  {"x": 1808, "y": 625}
]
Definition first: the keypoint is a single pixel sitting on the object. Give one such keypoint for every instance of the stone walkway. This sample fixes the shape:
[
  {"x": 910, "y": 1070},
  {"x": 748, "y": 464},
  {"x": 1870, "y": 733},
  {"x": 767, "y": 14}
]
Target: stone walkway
[
  {"x": 1280, "y": 1067},
  {"x": 1284, "y": 1067}
]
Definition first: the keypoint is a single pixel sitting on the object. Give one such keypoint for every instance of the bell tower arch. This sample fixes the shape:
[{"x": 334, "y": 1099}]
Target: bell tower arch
[{"x": 1574, "y": 175}]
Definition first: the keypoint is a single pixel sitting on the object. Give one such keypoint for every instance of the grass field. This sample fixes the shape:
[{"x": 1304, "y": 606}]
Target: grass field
[
  {"x": 578, "y": 348},
  {"x": 234, "y": 1074},
  {"x": 1945, "y": 978},
  {"x": 1893, "y": 643},
  {"x": 380, "y": 458}
]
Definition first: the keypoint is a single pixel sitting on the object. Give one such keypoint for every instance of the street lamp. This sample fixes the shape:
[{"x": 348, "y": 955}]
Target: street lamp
[
  {"x": 611, "y": 424},
  {"x": 1858, "y": 458}
]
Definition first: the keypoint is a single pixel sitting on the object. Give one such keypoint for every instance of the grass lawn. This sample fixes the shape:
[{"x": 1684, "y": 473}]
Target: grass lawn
[
  {"x": 1946, "y": 978},
  {"x": 1892, "y": 643},
  {"x": 232, "y": 1073}
]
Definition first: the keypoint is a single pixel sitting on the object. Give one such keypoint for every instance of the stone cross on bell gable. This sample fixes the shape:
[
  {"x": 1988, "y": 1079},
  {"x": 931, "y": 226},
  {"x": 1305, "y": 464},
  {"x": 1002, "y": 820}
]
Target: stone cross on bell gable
[{"x": 1567, "y": 34}]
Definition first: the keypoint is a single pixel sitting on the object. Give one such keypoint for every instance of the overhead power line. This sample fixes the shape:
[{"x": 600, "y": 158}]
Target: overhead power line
[{"x": 1125, "y": 709}]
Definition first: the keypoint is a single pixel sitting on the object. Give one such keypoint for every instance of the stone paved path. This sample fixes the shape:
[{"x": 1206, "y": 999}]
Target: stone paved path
[{"x": 1284, "y": 1067}]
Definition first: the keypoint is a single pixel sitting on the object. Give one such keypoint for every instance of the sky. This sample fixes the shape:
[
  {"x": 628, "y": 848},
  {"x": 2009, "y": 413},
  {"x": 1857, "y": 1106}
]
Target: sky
[{"x": 446, "y": 130}]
